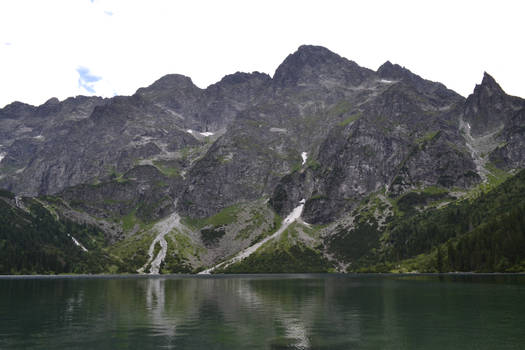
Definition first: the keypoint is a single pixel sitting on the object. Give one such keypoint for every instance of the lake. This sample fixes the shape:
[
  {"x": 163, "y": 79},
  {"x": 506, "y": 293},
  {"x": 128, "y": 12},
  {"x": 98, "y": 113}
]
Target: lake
[{"x": 264, "y": 312}]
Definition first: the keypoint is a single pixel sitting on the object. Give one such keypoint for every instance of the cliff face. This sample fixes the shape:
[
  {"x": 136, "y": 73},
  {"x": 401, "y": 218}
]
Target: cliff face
[{"x": 322, "y": 129}]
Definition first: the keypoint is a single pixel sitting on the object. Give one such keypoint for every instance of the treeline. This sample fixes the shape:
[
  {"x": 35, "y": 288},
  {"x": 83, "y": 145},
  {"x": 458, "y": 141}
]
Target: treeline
[
  {"x": 37, "y": 243},
  {"x": 423, "y": 232}
]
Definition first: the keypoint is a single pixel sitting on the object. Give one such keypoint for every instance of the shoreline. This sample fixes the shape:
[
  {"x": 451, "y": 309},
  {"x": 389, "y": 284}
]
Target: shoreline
[{"x": 259, "y": 275}]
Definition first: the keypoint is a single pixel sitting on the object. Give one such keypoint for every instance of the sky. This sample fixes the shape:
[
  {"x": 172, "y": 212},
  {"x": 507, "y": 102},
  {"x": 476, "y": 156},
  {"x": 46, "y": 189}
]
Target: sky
[{"x": 62, "y": 48}]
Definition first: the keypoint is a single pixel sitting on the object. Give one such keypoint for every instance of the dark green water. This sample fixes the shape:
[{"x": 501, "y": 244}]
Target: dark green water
[{"x": 271, "y": 312}]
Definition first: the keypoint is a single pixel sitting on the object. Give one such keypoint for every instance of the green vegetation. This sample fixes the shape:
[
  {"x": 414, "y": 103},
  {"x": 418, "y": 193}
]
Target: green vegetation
[
  {"x": 340, "y": 109},
  {"x": 115, "y": 176},
  {"x": 167, "y": 168},
  {"x": 134, "y": 250},
  {"x": 312, "y": 163},
  {"x": 485, "y": 233},
  {"x": 296, "y": 259},
  {"x": 129, "y": 221},
  {"x": 211, "y": 235},
  {"x": 173, "y": 263},
  {"x": 180, "y": 249},
  {"x": 481, "y": 233},
  {"x": 260, "y": 218},
  {"x": 40, "y": 242},
  {"x": 6, "y": 194},
  {"x": 183, "y": 246},
  {"x": 495, "y": 246},
  {"x": 411, "y": 201},
  {"x": 288, "y": 254},
  {"x": 428, "y": 137},
  {"x": 496, "y": 176},
  {"x": 224, "y": 217}
]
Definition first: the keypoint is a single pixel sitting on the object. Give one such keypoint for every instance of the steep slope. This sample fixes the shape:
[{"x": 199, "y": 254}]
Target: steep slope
[{"x": 493, "y": 124}]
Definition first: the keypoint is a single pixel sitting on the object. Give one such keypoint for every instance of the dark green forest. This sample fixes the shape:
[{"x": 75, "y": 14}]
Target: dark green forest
[
  {"x": 35, "y": 242},
  {"x": 482, "y": 234}
]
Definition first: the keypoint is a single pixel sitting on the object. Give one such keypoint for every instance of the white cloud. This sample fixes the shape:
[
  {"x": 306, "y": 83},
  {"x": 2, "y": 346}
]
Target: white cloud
[
  {"x": 449, "y": 41},
  {"x": 87, "y": 80}
]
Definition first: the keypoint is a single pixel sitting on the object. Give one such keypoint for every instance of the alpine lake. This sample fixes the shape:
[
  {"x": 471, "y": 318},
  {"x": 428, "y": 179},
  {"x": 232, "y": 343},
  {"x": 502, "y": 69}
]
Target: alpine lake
[{"x": 326, "y": 311}]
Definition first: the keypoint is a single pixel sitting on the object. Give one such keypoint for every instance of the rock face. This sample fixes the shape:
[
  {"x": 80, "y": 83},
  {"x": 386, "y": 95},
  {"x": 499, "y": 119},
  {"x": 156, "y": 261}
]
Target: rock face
[
  {"x": 489, "y": 108},
  {"x": 177, "y": 147}
]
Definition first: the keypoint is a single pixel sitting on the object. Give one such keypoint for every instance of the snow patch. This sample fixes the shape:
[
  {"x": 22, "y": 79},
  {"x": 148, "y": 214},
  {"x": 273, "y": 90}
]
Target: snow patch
[
  {"x": 77, "y": 243},
  {"x": 205, "y": 134},
  {"x": 294, "y": 215},
  {"x": 384, "y": 81},
  {"x": 39, "y": 137},
  {"x": 278, "y": 130},
  {"x": 304, "y": 155},
  {"x": 2, "y": 155}
]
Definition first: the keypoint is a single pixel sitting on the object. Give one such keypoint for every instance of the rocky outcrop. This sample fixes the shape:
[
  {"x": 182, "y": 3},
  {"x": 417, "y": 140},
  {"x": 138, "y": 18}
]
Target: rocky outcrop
[{"x": 489, "y": 108}]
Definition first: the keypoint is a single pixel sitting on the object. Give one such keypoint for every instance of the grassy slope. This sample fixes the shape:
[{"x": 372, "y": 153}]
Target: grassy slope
[{"x": 289, "y": 253}]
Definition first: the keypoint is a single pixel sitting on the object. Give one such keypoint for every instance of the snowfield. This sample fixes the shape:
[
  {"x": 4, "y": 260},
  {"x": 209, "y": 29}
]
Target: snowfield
[{"x": 304, "y": 155}]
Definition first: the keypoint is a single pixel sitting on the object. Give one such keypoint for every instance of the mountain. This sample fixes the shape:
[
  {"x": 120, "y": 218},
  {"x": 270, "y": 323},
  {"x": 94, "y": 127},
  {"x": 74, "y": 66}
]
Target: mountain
[{"x": 313, "y": 169}]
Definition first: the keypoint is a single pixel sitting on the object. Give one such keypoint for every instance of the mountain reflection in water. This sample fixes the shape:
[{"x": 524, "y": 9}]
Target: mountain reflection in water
[{"x": 263, "y": 312}]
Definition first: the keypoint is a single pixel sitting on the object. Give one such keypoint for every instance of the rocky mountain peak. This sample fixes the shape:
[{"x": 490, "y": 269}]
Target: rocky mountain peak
[
  {"x": 312, "y": 64},
  {"x": 488, "y": 107},
  {"x": 488, "y": 86}
]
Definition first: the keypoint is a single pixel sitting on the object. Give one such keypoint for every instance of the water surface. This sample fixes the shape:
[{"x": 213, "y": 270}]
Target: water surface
[{"x": 264, "y": 312}]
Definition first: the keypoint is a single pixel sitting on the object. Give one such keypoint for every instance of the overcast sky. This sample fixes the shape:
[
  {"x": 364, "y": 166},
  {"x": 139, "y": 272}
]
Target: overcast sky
[{"x": 107, "y": 47}]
